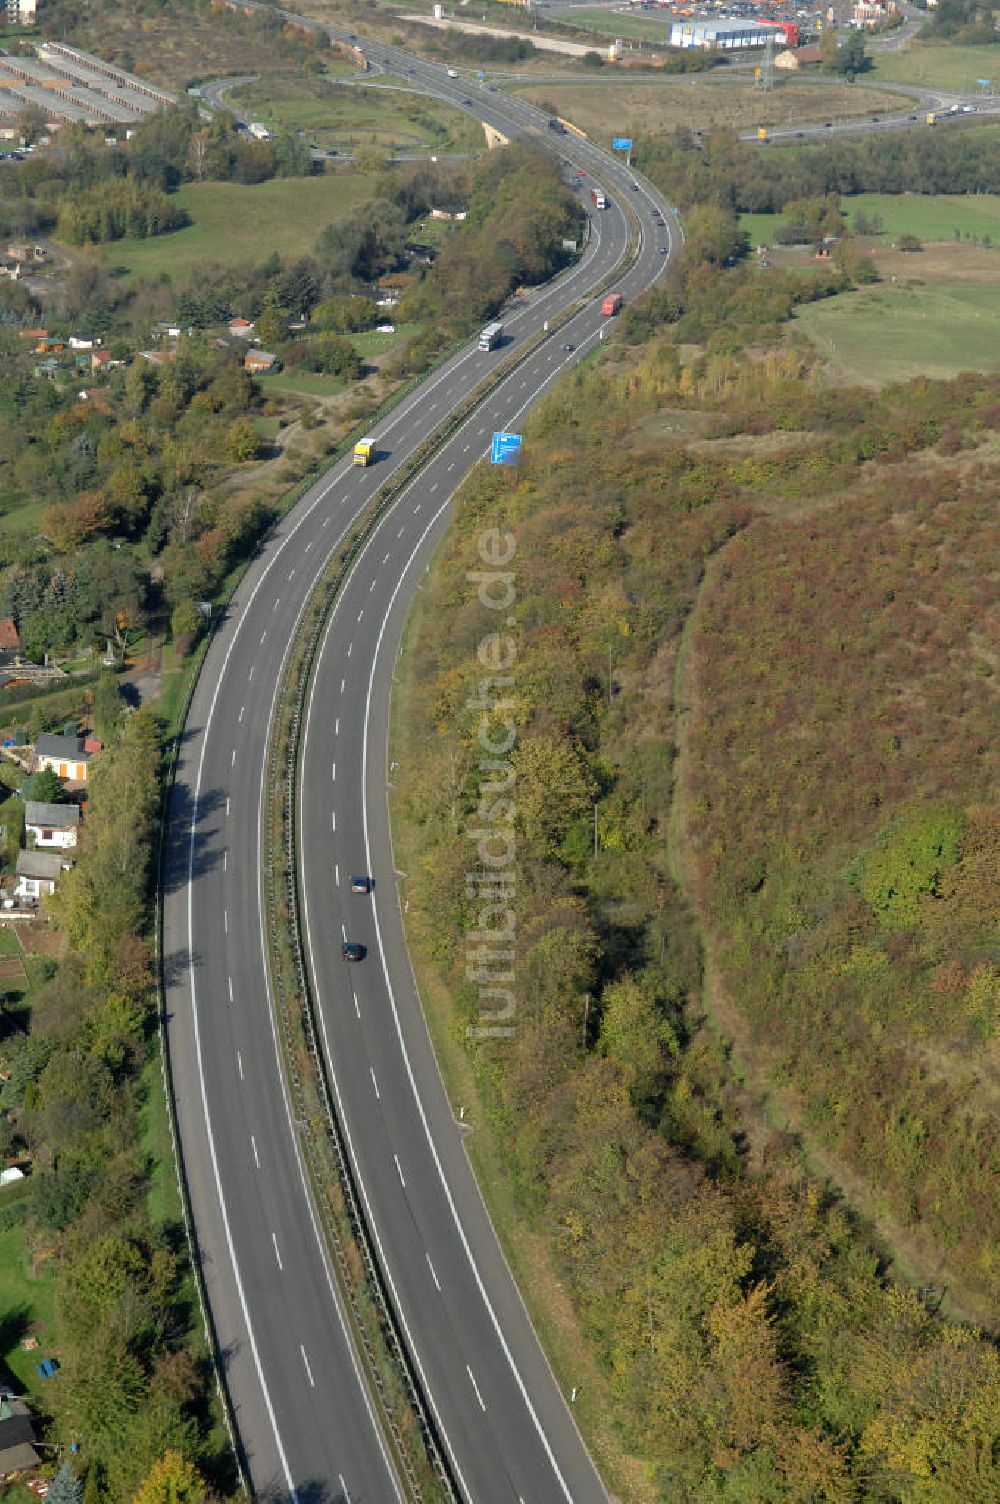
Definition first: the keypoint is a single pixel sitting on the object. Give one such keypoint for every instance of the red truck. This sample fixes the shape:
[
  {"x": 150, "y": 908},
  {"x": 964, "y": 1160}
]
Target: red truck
[
  {"x": 611, "y": 305},
  {"x": 599, "y": 197}
]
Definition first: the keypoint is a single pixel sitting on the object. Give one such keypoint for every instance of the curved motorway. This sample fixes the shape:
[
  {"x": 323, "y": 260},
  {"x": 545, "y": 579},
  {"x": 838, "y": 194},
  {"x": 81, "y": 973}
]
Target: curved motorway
[{"x": 307, "y": 1423}]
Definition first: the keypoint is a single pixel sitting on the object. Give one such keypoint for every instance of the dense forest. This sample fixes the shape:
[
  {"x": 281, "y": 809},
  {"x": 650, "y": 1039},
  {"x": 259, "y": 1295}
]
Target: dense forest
[{"x": 724, "y": 566}]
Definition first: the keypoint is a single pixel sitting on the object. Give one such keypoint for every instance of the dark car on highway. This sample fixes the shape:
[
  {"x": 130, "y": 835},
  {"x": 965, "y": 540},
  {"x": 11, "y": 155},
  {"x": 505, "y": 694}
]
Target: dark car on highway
[
  {"x": 352, "y": 951},
  {"x": 361, "y": 884}
]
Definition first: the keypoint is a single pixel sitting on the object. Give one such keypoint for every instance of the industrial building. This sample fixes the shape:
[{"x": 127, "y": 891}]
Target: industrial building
[
  {"x": 729, "y": 34},
  {"x": 70, "y": 86}
]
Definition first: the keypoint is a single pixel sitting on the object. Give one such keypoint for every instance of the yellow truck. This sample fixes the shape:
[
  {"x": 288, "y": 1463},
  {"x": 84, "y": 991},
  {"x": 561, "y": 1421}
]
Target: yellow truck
[
  {"x": 932, "y": 118},
  {"x": 762, "y": 133},
  {"x": 364, "y": 452}
]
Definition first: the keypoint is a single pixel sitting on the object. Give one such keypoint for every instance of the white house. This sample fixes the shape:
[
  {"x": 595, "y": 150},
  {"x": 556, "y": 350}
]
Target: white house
[
  {"x": 37, "y": 873},
  {"x": 52, "y": 824}
]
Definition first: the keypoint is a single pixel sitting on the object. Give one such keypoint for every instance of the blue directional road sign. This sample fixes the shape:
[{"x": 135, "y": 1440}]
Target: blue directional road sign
[
  {"x": 622, "y": 143},
  {"x": 506, "y": 448}
]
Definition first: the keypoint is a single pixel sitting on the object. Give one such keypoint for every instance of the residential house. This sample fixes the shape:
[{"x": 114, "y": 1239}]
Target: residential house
[
  {"x": 10, "y": 637},
  {"x": 67, "y": 756},
  {"x": 52, "y": 824},
  {"x": 38, "y": 872},
  {"x": 17, "y": 1436},
  {"x": 100, "y": 361},
  {"x": 261, "y": 361},
  {"x": 81, "y": 342},
  {"x": 241, "y": 328}
]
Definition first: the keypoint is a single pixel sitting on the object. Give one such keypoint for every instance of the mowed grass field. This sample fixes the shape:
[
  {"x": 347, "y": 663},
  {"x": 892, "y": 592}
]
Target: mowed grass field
[
  {"x": 929, "y": 216},
  {"x": 894, "y": 333},
  {"x": 615, "y": 107},
  {"x": 233, "y": 222},
  {"x": 612, "y": 23},
  {"x": 938, "y": 66}
]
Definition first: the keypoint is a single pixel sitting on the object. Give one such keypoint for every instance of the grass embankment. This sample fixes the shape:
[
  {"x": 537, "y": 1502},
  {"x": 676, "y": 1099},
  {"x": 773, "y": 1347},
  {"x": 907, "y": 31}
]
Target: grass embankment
[
  {"x": 935, "y": 65},
  {"x": 610, "y": 107},
  {"x": 234, "y": 222},
  {"x": 359, "y": 115}
]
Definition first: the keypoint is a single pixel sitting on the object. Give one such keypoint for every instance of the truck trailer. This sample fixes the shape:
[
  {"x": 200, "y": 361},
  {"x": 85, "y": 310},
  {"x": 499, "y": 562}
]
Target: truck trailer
[
  {"x": 364, "y": 452},
  {"x": 611, "y": 305},
  {"x": 491, "y": 336},
  {"x": 599, "y": 197}
]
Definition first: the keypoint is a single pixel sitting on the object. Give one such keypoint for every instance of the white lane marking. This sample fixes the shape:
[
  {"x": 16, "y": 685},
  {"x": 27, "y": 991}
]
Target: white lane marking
[
  {"x": 467, "y": 448},
  {"x": 336, "y": 726},
  {"x": 408, "y": 1064},
  {"x": 342, "y": 683},
  {"x": 309, "y": 1372},
  {"x": 356, "y": 1007},
  {"x": 230, "y": 980},
  {"x": 343, "y": 1488},
  {"x": 452, "y": 465},
  {"x": 242, "y": 710},
  {"x": 225, "y": 860},
  {"x": 336, "y": 873},
  {"x": 307, "y": 547},
  {"x": 401, "y": 532},
  {"x": 277, "y": 1255},
  {"x": 472, "y": 1381},
  {"x": 200, "y": 1060},
  {"x": 326, "y": 522},
  {"x": 375, "y": 1084},
  {"x": 225, "y": 920},
  {"x": 343, "y": 931},
  {"x": 250, "y": 674},
  {"x": 333, "y": 773},
  {"x": 371, "y": 587},
  {"x": 291, "y": 574},
  {"x": 350, "y": 646},
  {"x": 277, "y": 603},
  {"x": 437, "y": 1282},
  {"x": 233, "y": 763},
  {"x": 399, "y": 1171},
  {"x": 263, "y": 635},
  {"x": 336, "y": 1085},
  {"x": 385, "y": 559},
  {"x": 256, "y": 1156},
  {"x": 361, "y": 613},
  {"x": 418, "y": 506},
  {"x": 333, "y": 819}
]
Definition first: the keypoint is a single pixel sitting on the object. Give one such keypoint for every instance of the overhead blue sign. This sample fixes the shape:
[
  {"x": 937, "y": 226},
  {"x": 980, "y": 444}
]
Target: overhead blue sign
[
  {"x": 622, "y": 143},
  {"x": 506, "y": 447}
]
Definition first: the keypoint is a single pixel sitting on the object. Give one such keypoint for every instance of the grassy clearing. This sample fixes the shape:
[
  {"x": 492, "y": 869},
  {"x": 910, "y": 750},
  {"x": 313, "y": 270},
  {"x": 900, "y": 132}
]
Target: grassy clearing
[
  {"x": 609, "y": 108},
  {"x": 371, "y": 343},
  {"x": 26, "y": 519},
  {"x": 27, "y": 1304},
  {"x": 932, "y": 217},
  {"x": 359, "y": 115},
  {"x": 887, "y": 333},
  {"x": 154, "y": 1128},
  {"x": 939, "y": 67},
  {"x": 305, "y": 384},
  {"x": 233, "y": 222}
]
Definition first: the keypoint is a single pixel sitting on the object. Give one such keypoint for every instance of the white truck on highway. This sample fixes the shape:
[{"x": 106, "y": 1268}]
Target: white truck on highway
[{"x": 491, "y": 336}]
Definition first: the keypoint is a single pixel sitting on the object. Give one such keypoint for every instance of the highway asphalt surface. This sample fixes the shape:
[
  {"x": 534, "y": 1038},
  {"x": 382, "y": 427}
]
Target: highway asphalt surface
[{"x": 306, "y": 1420}]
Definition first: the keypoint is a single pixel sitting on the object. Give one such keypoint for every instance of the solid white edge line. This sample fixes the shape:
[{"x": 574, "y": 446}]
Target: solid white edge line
[{"x": 197, "y": 1033}]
